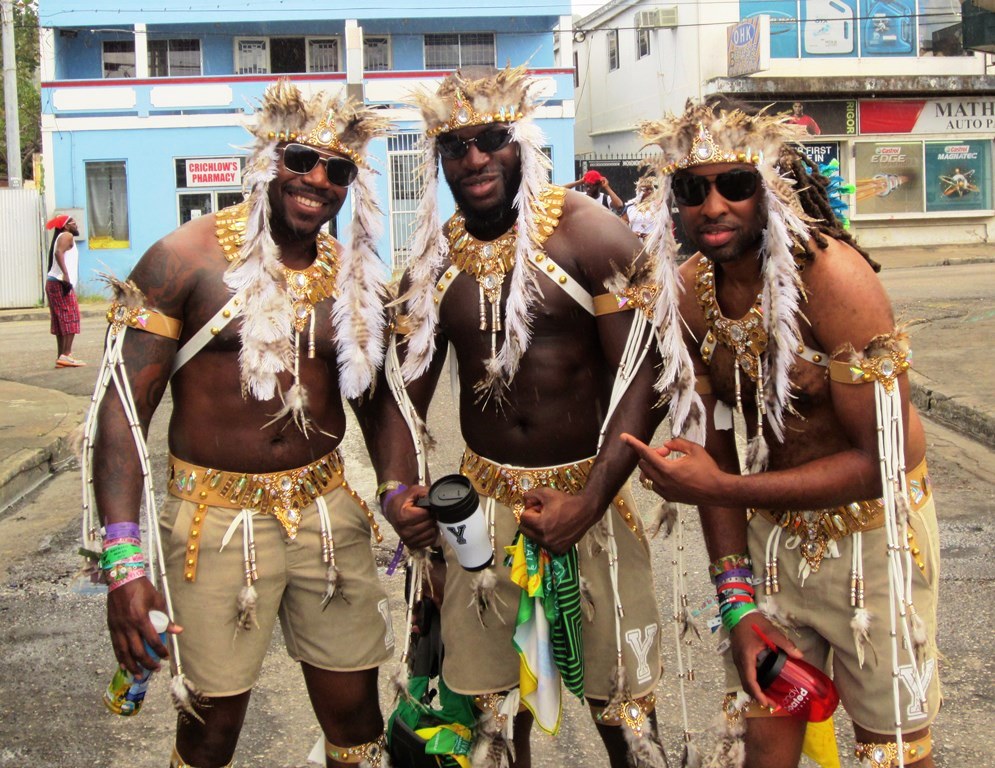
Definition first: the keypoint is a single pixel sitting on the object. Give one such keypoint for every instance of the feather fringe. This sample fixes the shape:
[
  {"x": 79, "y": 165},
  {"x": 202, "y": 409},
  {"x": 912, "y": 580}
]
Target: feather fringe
[
  {"x": 675, "y": 382},
  {"x": 357, "y": 313},
  {"x": 493, "y": 742},
  {"x": 245, "y": 607},
  {"x": 484, "y": 594},
  {"x": 429, "y": 249},
  {"x": 333, "y": 583},
  {"x": 185, "y": 696},
  {"x": 664, "y": 518},
  {"x": 782, "y": 295},
  {"x": 920, "y": 637},
  {"x": 645, "y": 749},
  {"x": 690, "y": 756},
  {"x": 586, "y": 599},
  {"x": 861, "y": 626},
  {"x": 757, "y": 453}
]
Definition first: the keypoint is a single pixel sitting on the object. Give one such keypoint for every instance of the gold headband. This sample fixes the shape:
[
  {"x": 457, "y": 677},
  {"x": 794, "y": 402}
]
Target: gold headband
[
  {"x": 705, "y": 151},
  {"x": 462, "y": 100}
]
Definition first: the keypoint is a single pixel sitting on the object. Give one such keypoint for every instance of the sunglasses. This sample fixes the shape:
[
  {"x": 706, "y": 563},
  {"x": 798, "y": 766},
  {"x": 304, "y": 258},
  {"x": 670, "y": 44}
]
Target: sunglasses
[
  {"x": 298, "y": 158},
  {"x": 452, "y": 147},
  {"x": 734, "y": 186}
]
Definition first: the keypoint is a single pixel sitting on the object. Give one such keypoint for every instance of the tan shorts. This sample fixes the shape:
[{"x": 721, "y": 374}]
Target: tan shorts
[
  {"x": 820, "y": 614},
  {"x": 343, "y": 636},
  {"x": 481, "y": 659}
]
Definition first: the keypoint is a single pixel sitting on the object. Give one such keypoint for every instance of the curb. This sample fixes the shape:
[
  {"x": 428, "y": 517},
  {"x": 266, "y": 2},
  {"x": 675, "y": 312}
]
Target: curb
[
  {"x": 30, "y": 468},
  {"x": 962, "y": 419}
]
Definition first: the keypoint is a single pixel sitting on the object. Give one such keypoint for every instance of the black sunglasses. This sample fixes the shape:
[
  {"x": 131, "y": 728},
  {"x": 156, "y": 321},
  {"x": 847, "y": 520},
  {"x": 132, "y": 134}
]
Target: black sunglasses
[
  {"x": 735, "y": 186},
  {"x": 451, "y": 147},
  {"x": 298, "y": 158}
]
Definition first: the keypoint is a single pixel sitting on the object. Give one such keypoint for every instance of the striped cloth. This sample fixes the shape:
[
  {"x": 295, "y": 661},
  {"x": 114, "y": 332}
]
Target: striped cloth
[
  {"x": 63, "y": 308},
  {"x": 548, "y": 630}
]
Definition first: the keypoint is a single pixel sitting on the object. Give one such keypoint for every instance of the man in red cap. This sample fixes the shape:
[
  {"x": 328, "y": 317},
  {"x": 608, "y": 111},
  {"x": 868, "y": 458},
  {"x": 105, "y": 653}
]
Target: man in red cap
[
  {"x": 596, "y": 186},
  {"x": 63, "y": 275}
]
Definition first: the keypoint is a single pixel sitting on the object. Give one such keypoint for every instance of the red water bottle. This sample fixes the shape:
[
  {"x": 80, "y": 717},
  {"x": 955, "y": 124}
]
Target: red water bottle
[{"x": 797, "y": 687}]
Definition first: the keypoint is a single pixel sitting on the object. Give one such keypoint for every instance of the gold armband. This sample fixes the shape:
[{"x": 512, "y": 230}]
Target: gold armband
[
  {"x": 639, "y": 296},
  {"x": 121, "y": 315},
  {"x": 886, "y": 358}
]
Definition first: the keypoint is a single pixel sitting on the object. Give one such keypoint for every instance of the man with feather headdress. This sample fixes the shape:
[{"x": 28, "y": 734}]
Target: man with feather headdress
[
  {"x": 553, "y": 318},
  {"x": 827, "y": 542},
  {"x": 260, "y": 322}
]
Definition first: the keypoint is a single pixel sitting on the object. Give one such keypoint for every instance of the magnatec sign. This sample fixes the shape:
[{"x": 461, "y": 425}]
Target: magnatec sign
[
  {"x": 928, "y": 116},
  {"x": 213, "y": 172}
]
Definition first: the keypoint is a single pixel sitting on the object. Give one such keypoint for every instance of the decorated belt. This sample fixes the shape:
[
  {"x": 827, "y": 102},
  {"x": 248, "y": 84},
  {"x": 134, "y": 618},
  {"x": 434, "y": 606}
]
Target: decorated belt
[
  {"x": 816, "y": 528},
  {"x": 507, "y": 485},
  {"x": 282, "y": 494}
]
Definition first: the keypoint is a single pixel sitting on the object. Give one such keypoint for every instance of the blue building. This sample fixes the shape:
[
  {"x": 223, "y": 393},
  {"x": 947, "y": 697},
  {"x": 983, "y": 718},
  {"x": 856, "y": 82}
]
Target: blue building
[{"x": 143, "y": 110}]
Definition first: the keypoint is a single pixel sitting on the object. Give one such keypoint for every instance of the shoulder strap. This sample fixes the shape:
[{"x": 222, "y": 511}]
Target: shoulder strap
[
  {"x": 546, "y": 266},
  {"x": 211, "y": 328}
]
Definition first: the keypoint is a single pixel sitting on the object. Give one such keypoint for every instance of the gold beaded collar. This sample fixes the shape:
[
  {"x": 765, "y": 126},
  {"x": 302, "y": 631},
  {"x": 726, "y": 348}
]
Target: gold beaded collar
[
  {"x": 307, "y": 286},
  {"x": 746, "y": 337},
  {"x": 488, "y": 261}
]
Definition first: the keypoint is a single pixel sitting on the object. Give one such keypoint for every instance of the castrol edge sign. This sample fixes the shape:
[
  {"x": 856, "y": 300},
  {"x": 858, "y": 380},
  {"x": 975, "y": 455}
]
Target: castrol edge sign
[{"x": 213, "y": 172}]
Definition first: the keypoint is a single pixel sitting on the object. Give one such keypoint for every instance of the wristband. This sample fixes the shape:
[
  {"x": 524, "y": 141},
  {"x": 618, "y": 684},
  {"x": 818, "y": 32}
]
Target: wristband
[
  {"x": 388, "y": 485},
  {"x": 126, "y": 530},
  {"x": 391, "y": 494},
  {"x": 731, "y": 618},
  {"x": 729, "y": 563}
]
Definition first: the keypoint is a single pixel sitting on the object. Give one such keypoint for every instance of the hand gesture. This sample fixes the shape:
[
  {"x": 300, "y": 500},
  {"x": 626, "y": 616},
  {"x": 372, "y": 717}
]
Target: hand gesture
[{"x": 691, "y": 478}]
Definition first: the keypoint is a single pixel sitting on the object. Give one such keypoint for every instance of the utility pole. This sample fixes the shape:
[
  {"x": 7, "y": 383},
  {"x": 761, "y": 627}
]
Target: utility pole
[{"x": 10, "y": 104}]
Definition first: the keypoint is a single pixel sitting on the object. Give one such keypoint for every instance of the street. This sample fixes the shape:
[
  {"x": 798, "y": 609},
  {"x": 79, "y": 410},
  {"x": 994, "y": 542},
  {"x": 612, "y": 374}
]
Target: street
[{"x": 56, "y": 659}]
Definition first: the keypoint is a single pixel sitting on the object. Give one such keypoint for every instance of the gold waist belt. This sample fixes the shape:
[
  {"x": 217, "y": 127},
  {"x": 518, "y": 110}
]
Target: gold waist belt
[
  {"x": 281, "y": 494},
  {"x": 817, "y": 527},
  {"x": 507, "y": 485}
]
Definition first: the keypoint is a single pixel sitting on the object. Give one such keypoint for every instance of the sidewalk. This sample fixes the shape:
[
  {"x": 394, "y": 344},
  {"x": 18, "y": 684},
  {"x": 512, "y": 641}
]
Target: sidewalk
[{"x": 950, "y": 383}]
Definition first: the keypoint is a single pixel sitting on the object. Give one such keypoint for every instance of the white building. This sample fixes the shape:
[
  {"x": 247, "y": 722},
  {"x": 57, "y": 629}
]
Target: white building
[{"x": 883, "y": 86}]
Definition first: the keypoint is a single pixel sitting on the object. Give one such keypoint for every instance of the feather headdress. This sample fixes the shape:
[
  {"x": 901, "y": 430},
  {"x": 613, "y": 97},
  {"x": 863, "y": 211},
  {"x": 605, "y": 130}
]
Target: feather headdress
[
  {"x": 462, "y": 101},
  {"x": 703, "y": 135},
  {"x": 345, "y": 128}
]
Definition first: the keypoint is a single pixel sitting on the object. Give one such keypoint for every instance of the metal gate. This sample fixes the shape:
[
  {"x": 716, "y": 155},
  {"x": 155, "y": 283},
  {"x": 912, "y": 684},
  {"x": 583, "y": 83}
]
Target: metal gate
[
  {"x": 622, "y": 171},
  {"x": 22, "y": 258},
  {"x": 405, "y": 187}
]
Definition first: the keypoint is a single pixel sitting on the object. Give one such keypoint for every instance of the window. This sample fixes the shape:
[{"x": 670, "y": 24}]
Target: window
[
  {"x": 287, "y": 55},
  {"x": 405, "y": 184},
  {"x": 251, "y": 56},
  {"x": 323, "y": 54},
  {"x": 207, "y": 184},
  {"x": 612, "y": 50},
  {"x": 107, "y": 204},
  {"x": 450, "y": 51},
  {"x": 376, "y": 53},
  {"x": 174, "y": 58},
  {"x": 642, "y": 43},
  {"x": 119, "y": 58}
]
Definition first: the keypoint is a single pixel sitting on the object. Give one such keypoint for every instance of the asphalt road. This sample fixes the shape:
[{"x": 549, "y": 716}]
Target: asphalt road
[{"x": 55, "y": 657}]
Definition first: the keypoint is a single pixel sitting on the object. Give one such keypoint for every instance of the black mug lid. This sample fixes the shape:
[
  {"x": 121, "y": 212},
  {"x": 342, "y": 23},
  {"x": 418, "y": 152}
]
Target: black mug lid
[
  {"x": 452, "y": 499},
  {"x": 769, "y": 666}
]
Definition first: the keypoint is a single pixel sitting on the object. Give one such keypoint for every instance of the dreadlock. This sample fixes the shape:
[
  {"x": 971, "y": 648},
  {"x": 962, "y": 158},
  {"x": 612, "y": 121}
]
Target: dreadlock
[{"x": 812, "y": 189}]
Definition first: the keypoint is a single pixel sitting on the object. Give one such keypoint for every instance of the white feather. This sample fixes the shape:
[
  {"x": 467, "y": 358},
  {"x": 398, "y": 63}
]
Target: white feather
[
  {"x": 357, "y": 314},
  {"x": 861, "y": 626},
  {"x": 245, "y": 617},
  {"x": 185, "y": 697}
]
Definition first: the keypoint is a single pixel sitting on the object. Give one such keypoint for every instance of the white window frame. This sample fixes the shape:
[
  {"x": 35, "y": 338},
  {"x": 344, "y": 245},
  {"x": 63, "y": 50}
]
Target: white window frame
[
  {"x": 308, "y": 39},
  {"x": 168, "y": 40},
  {"x": 103, "y": 60},
  {"x": 390, "y": 52},
  {"x": 643, "y": 41},
  {"x": 612, "y": 43},
  {"x": 265, "y": 41},
  {"x": 459, "y": 49}
]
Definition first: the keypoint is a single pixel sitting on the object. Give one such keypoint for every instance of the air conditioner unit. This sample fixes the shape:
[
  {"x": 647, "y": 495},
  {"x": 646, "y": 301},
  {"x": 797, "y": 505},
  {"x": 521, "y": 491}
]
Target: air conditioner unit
[{"x": 657, "y": 18}]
